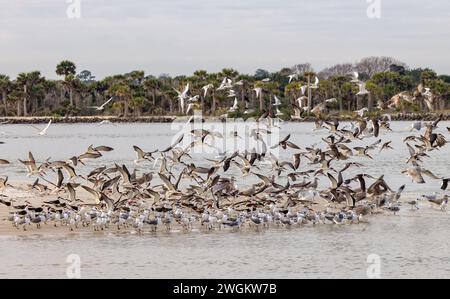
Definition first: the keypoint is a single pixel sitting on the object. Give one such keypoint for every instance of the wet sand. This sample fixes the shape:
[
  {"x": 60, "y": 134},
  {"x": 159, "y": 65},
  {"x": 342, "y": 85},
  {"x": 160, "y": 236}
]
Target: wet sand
[{"x": 20, "y": 192}]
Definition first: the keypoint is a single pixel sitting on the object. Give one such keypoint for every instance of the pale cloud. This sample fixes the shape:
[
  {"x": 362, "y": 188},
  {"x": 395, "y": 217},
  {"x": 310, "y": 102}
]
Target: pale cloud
[{"x": 180, "y": 36}]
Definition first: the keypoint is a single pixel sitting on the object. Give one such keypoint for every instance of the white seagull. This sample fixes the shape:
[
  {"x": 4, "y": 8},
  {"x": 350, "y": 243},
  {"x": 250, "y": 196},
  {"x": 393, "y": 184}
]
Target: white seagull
[
  {"x": 226, "y": 84},
  {"x": 258, "y": 91},
  {"x": 303, "y": 90},
  {"x": 292, "y": 77},
  {"x": 279, "y": 113},
  {"x": 231, "y": 93},
  {"x": 316, "y": 84},
  {"x": 427, "y": 92},
  {"x": 102, "y": 107},
  {"x": 277, "y": 101},
  {"x": 189, "y": 108},
  {"x": 416, "y": 126},
  {"x": 235, "y": 106},
  {"x": 44, "y": 131},
  {"x": 362, "y": 111},
  {"x": 182, "y": 96},
  {"x": 355, "y": 77},
  {"x": 206, "y": 88},
  {"x": 362, "y": 89}
]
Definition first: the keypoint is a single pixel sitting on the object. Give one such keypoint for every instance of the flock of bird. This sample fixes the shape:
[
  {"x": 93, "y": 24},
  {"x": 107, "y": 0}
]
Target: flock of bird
[
  {"x": 301, "y": 107},
  {"x": 314, "y": 187}
]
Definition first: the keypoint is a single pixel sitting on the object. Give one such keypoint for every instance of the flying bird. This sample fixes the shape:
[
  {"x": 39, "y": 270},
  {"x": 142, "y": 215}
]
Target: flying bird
[
  {"x": 362, "y": 89},
  {"x": 43, "y": 131},
  {"x": 102, "y": 107}
]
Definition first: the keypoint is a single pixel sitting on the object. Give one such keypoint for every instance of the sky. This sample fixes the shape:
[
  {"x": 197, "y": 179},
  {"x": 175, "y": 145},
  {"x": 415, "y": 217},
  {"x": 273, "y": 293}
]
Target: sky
[{"x": 180, "y": 36}]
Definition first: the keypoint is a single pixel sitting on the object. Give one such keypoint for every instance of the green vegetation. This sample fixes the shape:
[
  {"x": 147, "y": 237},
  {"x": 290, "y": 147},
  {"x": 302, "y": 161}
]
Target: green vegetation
[{"x": 138, "y": 94}]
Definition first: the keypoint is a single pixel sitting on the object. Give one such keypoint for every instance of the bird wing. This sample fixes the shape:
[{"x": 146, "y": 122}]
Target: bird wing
[
  {"x": 36, "y": 128},
  {"x": 94, "y": 193},
  {"x": 48, "y": 126},
  {"x": 167, "y": 182},
  {"x": 106, "y": 103},
  {"x": 139, "y": 152}
]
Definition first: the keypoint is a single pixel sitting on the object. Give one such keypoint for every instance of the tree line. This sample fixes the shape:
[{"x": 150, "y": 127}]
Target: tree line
[{"x": 138, "y": 94}]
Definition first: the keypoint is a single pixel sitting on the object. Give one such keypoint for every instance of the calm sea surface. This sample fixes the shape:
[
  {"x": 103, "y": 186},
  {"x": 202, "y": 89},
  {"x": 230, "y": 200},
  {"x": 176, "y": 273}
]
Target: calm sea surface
[{"x": 411, "y": 244}]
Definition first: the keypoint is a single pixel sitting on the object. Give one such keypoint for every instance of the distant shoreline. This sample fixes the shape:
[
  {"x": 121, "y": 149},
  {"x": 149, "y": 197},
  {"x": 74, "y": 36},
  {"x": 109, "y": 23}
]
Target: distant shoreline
[{"x": 169, "y": 119}]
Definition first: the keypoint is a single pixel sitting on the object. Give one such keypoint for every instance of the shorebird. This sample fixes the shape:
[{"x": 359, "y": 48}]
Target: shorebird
[
  {"x": 416, "y": 126},
  {"x": 297, "y": 113},
  {"x": 445, "y": 184},
  {"x": 430, "y": 197},
  {"x": 226, "y": 84},
  {"x": 104, "y": 122},
  {"x": 141, "y": 155},
  {"x": 441, "y": 202},
  {"x": 4, "y": 183},
  {"x": 43, "y": 132},
  {"x": 189, "y": 108},
  {"x": 386, "y": 145},
  {"x": 355, "y": 77},
  {"x": 182, "y": 97},
  {"x": 315, "y": 85},
  {"x": 284, "y": 143},
  {"x": 277, "y": 101},
  {"x": 278, "y": 113},
  {"x": 416, "y": 173},
  {"x": 292, "y": 77},
  {"x": 206, "y": 88},
  {"x": 414, "y": 204},
  {"x": 235, "y": 106},
  {"x": 102, "y": 107},
  {"x": 362, "y": 111},
  {"x": 31, "y": 166},
  {"x": 258, "y": 91},
  {"x": 362, "y": 89}
]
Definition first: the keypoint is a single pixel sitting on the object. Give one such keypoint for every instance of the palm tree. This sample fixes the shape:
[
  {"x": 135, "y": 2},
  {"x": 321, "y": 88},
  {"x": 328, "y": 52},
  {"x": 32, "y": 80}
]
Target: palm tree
[
  {"x": 338, "y": 83},
  {"x": 309, "y": 76},
  {"x": 229, "y": 73},
  {"x": 213, "y": 79},
  {"x": 138, "y": 103},
  {"x": 31, "y": 85},
  {"x": 200, "y": 79},
  {"x": 67, "y": 69},
  {"x": 261, "y": 85},
  {"x": 292, "y": 90},
  {"x": 123, "y": 93},
  {"x": 151, "y": 86},
  {"x": 5, "y": 85},
  {"x": 246, "y": 81}
]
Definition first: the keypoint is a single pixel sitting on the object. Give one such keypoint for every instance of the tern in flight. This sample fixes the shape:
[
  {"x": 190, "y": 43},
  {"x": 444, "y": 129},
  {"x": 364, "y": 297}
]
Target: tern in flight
[
  {"x": 235, "y": 106},
  {"x": 277, "y": 101},
  {"x": 102, "y": 107},
  {"x": 362, "y": 89},
  {"x": 355, "y": 78},
  {"x": 316, "y": 83},
  {"x": 292, "y": 77},
  {"x": 182, "y": 97},
  {"x": 44, "y": 131}
]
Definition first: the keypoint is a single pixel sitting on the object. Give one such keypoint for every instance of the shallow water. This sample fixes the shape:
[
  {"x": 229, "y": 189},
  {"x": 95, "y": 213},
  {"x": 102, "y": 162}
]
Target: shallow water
[{"x": 410, "y": 245}]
